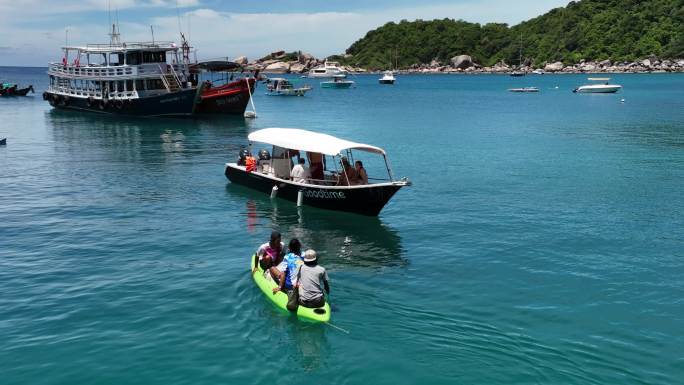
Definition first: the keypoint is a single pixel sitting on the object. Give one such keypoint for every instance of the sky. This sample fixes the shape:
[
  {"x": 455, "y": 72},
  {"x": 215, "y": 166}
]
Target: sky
[{"x": 32, "y": 31}]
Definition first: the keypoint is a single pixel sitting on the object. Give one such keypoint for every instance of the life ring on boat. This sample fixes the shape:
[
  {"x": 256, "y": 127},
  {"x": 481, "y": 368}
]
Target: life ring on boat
[
  {"x": 118, "y": 103},
  {"x": 46, "y": 96}
]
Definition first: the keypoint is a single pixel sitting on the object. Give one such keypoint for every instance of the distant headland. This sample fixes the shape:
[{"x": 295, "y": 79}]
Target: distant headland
[{"x": 612, "y": 36}]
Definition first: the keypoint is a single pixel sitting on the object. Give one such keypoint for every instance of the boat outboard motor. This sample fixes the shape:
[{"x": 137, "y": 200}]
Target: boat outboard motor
[
  {"x": 243, "y": 157},
  {"x": 264, "y": 155}
]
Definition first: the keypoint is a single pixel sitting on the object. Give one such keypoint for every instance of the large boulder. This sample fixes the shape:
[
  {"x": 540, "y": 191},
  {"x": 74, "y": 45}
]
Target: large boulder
[
  {"x": 462, "y": 61},
  {"x": 554, "y": 67},
  {"x": 305, "y": 57},
  {"x": 605, "y": 63},
  {"x": 297, "y": 68},
  {"x": 242, "y": 60},
  {"x": 277, "y": 68},
  {"x": 646, "y": 63}
]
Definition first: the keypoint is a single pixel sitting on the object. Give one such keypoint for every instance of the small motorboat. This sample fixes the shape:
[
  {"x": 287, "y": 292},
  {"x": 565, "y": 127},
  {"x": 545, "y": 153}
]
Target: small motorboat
[
  {"x": 604, "y": 88},
  {"x": 12, "y": 89},
  {"x": 328, "y": 185},
  {"x": 283, "y": 87},
  {"x": 387, "y": 78},
  {"x": 517, "y": 74},
  {"x": 538, "y": 71},
  {"x": 524, "y": 89},
  {"x": 3, "y": 142},
  {"x": 337, "y": 82}
]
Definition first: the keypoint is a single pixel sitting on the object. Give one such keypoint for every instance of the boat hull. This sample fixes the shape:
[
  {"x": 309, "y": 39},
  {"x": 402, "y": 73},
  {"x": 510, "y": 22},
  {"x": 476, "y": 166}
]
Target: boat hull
[
  {"x": 365, "y": 200},
  {"x": 598, "y": 90},
  {"x": 339, "y": 85},
  {"x": 231, "y": 98},
  {"x": 181, "y": 103},
  {"x": 384, "y": 81}
]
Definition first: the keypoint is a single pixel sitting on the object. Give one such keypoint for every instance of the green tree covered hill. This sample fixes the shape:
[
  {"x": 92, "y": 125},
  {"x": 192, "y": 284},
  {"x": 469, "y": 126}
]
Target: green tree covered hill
[{"x": 619, "y": 30}]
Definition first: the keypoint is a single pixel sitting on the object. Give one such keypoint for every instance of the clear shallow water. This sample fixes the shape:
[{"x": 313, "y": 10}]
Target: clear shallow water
[{"x": 541, "y": 241}]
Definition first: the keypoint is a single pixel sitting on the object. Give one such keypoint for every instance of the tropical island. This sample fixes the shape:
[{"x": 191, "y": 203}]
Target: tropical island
[{"x": 584, "y": 36}]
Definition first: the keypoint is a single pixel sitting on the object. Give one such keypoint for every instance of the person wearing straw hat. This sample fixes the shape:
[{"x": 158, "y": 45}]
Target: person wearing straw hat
[{"x": 311, "y": 274}]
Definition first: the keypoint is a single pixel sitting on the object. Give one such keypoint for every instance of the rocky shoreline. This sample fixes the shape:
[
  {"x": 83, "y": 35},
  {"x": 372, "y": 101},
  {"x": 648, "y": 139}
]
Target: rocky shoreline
[{"x": 299, "y": 63}]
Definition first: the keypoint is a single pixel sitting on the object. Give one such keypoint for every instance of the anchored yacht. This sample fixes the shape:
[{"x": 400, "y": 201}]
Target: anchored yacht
[{"x": 328, "y": 70}]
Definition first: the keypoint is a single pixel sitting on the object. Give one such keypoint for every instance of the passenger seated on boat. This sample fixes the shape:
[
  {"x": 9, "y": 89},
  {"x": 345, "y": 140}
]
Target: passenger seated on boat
[
  {"x": 299, "y": 173},
  {"x": 243, "y": 157},
  {"x": 316, "y": 166},
  {"x": 348, "y": 177},
  {"x": 269, "y": 254},
  {"x": 287, "y": 269},
  {"x": 250, "y": 163},
  {"x": 309, "y": 284},
  {"x": 361, "y": 173}
]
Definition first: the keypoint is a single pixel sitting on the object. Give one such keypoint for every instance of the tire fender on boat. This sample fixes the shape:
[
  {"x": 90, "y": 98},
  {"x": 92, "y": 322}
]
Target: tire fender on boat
[
  {"x": 90, "y": 101},
  {"x": 46, "y": 96},
  {"x": 102, "y": 105},
  {"x": 118, "y": 103},
  {"x": 64, "y": 101}
]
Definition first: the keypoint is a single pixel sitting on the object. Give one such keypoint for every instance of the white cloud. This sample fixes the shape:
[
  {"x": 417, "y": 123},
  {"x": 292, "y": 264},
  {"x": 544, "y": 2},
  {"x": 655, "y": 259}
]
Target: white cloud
[{"x": 219, "y": 34}]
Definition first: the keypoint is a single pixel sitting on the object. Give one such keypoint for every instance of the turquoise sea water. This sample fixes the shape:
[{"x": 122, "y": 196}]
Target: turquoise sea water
[{"x": 542, "y": 241}]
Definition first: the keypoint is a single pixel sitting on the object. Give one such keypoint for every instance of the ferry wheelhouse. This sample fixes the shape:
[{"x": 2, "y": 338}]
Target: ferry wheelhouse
[{"x": 140, "y": 79}]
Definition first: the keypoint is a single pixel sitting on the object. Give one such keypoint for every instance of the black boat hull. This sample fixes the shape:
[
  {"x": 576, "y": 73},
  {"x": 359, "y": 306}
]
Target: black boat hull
[
  {"x": 365, "y": 200},
  {"x": 181, "y": 103}
]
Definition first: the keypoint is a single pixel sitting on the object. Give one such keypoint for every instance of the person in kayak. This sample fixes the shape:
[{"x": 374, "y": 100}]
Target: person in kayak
[
  {"x": 309, "y": 283},
  {"x": 269, "y": 254},
  {"x": 287, "y": 269}
]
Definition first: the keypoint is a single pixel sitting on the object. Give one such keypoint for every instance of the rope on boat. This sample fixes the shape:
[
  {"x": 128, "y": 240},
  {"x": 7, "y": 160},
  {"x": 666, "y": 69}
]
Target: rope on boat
[{"x": 337, "y": 327}]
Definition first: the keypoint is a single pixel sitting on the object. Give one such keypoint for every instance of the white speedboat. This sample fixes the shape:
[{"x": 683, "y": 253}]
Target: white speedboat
[
  {"x": 387, "y": 78},
  {"x": 604, "y": 88},
  {"x": 328, "y": 70}
]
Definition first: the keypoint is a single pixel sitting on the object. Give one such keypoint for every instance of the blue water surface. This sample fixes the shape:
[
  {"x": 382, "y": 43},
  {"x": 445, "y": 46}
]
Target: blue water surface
[{"x": 541, "y": 242}]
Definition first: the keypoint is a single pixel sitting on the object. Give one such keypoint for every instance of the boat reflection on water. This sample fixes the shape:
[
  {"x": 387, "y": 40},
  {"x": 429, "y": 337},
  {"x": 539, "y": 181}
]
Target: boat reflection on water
[
  {"x": 343, "y": 240},
  {"x": 135, "y": 138}
]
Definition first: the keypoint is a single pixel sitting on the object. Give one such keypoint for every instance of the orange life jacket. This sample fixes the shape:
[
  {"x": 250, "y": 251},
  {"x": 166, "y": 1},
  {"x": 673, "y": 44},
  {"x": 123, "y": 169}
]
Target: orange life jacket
[{"x": 250, "y": 164}]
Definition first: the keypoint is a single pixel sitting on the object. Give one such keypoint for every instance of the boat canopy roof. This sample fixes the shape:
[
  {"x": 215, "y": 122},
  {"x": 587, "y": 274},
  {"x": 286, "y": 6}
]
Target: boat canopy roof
[
  {"x": 598, "y": 79},
  {"x": 309, "y": 141},
  {"x": 124, "y": 47},
  {"x": 215, "y": 66}
]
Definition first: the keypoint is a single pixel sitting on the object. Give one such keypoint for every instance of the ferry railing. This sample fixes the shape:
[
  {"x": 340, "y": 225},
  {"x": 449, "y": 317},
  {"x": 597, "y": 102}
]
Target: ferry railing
[{"x": 95, "y": 71}]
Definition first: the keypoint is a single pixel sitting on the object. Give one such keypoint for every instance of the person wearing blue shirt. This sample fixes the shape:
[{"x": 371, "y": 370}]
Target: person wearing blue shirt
[{"x": 288, "y": 268}]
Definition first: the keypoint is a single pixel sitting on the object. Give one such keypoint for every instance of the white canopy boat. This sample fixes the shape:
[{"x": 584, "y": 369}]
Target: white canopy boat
[
  {"x": 283, "y": 87},
  {"x": 604, "y": 88},
  {"x": 328, "y": 185}
]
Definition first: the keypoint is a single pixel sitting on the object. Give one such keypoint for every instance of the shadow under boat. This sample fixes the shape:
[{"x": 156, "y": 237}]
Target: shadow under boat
[{"x": 343, "y": 239}]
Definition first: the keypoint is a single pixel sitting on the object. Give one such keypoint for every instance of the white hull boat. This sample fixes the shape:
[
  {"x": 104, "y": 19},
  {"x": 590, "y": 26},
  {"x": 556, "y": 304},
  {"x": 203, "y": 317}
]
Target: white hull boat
[
  {"x": 599, "y": 88},
  {"x": 328, "y": 70}
]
